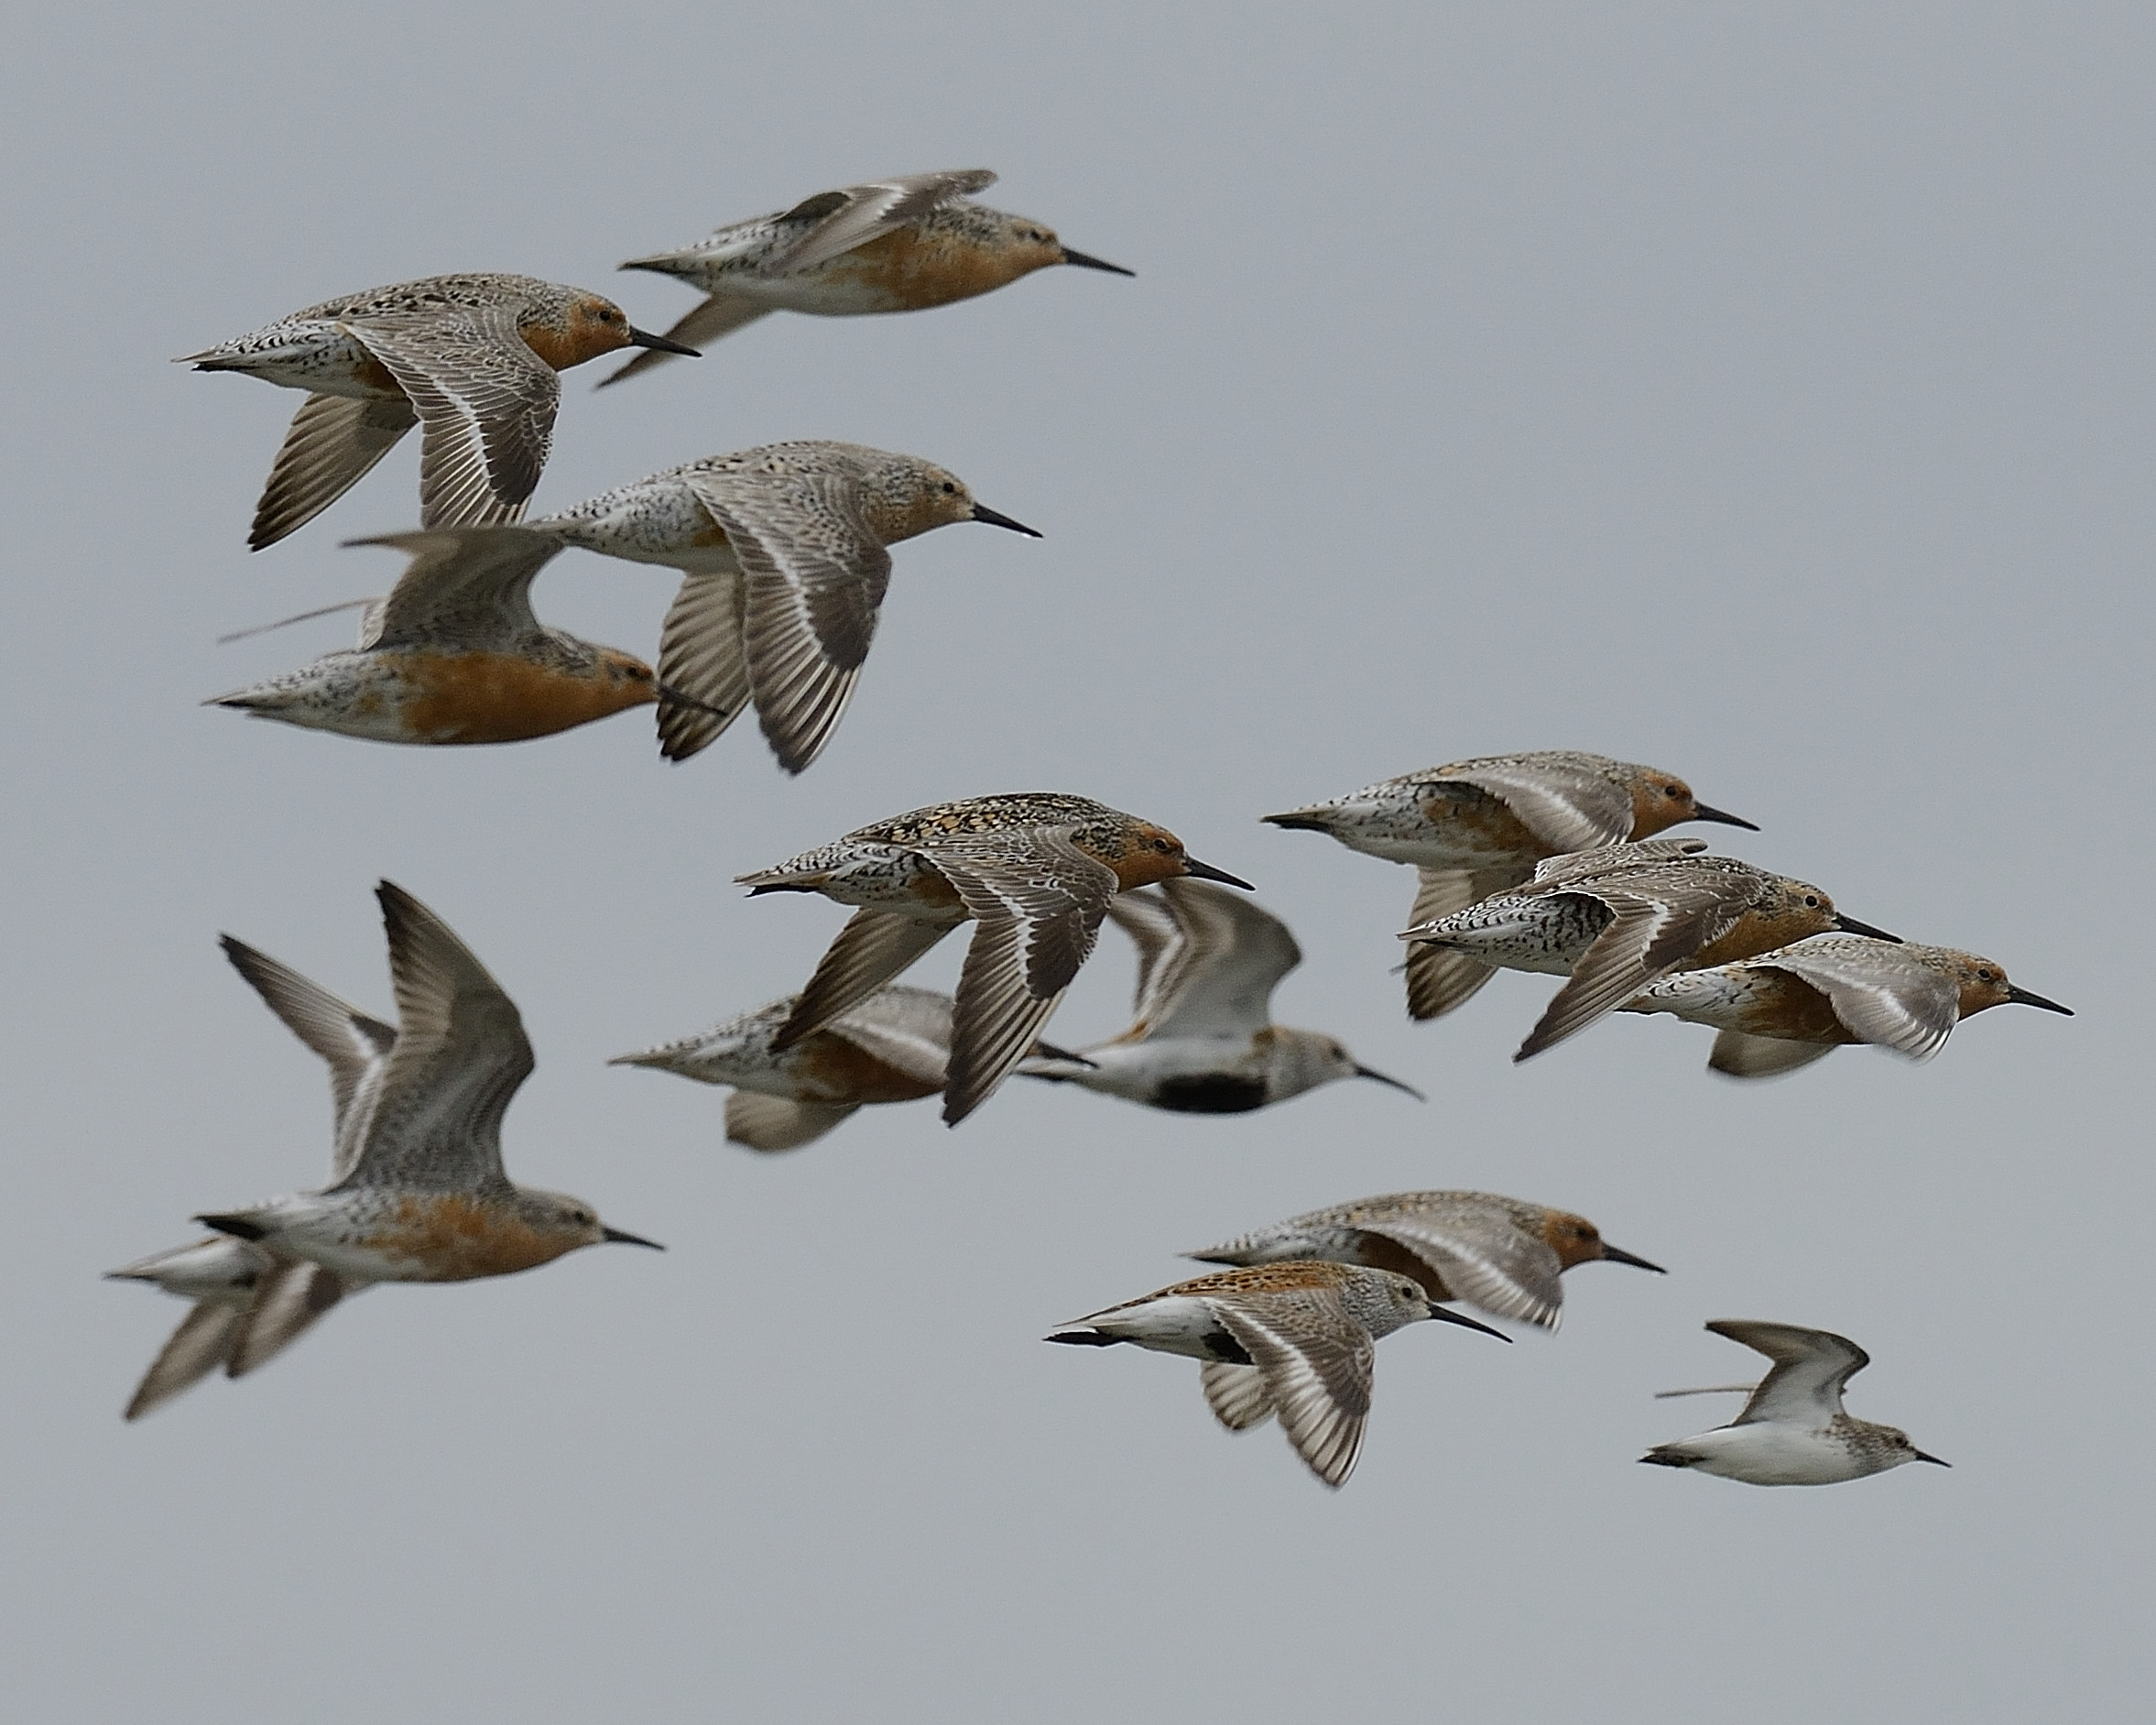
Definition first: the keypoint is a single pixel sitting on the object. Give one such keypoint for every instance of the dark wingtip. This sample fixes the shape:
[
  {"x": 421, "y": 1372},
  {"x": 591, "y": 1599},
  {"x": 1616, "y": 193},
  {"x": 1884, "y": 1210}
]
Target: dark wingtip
[{"x": 1083, "y": 1338}]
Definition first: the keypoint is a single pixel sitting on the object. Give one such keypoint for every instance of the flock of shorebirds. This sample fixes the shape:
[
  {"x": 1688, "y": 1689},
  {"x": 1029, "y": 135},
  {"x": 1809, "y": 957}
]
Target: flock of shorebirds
[{"x": 1544, "y": 861}]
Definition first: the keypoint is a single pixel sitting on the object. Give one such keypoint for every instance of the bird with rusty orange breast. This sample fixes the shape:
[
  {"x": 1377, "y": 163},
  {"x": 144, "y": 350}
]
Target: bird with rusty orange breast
[
  {"x": 784, "y": 559},
  {"x": 426, "y": 1197},
  {"x": 891, "y": 1048},
  {"x": 454, "y": 655},
  {"x": 471, "y": 359},
  {"x": 899, "y": 244},
  {"x": 1615, "y": 920},
  {"x": 248, "y": 1303},
  {"x": 1033, "y": 871},
  {"x": 1201, "y": 1039},
  {"x": 1477, "y": 827},
  {"x": 1499, "y": 1255},
  {"x": 1788, "y": 1008}
]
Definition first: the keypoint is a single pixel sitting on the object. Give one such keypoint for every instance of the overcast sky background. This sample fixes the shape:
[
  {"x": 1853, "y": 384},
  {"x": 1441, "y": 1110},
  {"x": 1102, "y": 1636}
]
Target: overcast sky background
[{"x": 1762, "y": 393}]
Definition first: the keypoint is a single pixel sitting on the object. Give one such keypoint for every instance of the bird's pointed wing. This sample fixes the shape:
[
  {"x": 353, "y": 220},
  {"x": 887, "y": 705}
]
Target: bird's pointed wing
[
  {"x": 1484, "y": 1260},
  {"x": 1811, "y": 1368},
  {"x": 873, "y": 946},
  {"x": 1146, "y": 916},
  {"x": 334, "y": 443},
  {"x": 1236, "y": 1395},
  {"x": 1232, "y": 956},
  {"x": 1565, "y": 807},
  {"x": 834, "y": 222},
  {"x": 815, "y": 575},
  {"x": 467, "y": 584},
  {"x": 1655, "y": 928},
  {"x": 702, "y": 653},
  {"x": 721, "y": 315},
  {"x": 486, "y": 402},
  {"x": 460, "y": 1054},
  {"x": 775, "y": 1123},
  {"x": 908, "y": 1029},
  {"x": 1316, "y": 1361},
  {"x": 1438, "y": 978},
  {"x": 286, "y": 1303},
  {"x": 1038, "y": 901},
  {"x": 1739, "y": 1055},
  {"x": 355, "y": 1046},
  {"x": 193, "y": 1351},
  {"x": 1556, "y": 874},
  {"x": 1883, "y": 997}
]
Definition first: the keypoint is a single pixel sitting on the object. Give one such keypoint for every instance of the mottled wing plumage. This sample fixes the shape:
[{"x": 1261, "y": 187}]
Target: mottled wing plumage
[
  {"x": 833, "y": 224},
  {"x": 460, "y": 1054},
  {"x": 1236, "y": 1395},
  {"x": 486, "y": 402},
  {"x": 1316, "y": 1363},
  {"x": 1219, "y": 977},
  {"x": 469, "y": 585},
  {"x": 814, "y": 576},
  {"x": 1567, "y": 807},
  {"x": 334, "y": 443},
  {"x": 201, "y": 1343},
  {"x": 1812, "y": 1366},
  {"x": 774, "y": 1123},
  {"x": 1652, "y": 931},
  {"x": 1884, "y": 998},
  {"x": 1484, "y": 1259},
  {"x": 1439, "y": 979},
  {"x": 1555, "y": 873},
  {"x": 873, "y": 946},
  {"x": 702, "y": 652}
]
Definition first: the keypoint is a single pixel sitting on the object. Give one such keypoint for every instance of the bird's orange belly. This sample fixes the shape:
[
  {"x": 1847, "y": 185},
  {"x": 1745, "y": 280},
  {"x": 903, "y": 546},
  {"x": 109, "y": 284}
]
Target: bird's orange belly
[{"x": 503, "y": 698}]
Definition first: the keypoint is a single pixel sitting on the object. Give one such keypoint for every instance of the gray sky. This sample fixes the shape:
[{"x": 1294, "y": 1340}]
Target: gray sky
[{"x": 1761, "y": 393}]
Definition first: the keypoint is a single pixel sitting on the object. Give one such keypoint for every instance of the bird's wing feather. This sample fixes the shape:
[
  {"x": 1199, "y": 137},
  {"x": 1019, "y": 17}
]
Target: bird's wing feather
[
  {"x": 1233, "y": 955},
  {"x": 356, "y": 1047},
  {"x": 333, "y": 444},
  {"x": 486, "y": 405},
  {"x": 1811, "y": 1368},
  {"x": 1885, "y": 1000},
  {"x": 193, "y": 1351},
  {"x": 834, "y": 222},
  {"x": 908, "y": 1029},
  {"x": 1438, "y": 978},
  {"x": 460, "y": 1054},
  {"x": 471, "y": 585},
  {"x": 873, "y": 946},
  {"x": 1485, "y": 1260},
  {"x": 1316, "y": 1361},
  {"x": 1739, "y": 1055},
  {"x": 702, "y": 653},
  {"x": 1236, "y": 1395},
  {"x": 774, "y": 1123},
  {"x": 721, "y": 315},
  {"x": 288, "y": 1302},
  {"x": 1567, "y": 808}
]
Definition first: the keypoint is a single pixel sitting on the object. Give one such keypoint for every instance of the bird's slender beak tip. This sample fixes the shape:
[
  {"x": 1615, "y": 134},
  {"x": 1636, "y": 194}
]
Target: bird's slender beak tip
[
  {"x": 1206, "y": 872},
  {"x": 1084, "y": 261},
  {"x": 994, "y": 518},
  {"x": 2022, "y": 997},
  {"x": 1445, "y": 1315},
  {"x": 619, "y": 1236},
  {"x": 1617, "y": 1255},
  {"x": 1380, "y": 1078},
  {"x": 1932, "y": 1460},
  {"x": 1700, "y": 812},
  {"x": 661, "y": 344},
  {"x": 1850, "y": 925}
]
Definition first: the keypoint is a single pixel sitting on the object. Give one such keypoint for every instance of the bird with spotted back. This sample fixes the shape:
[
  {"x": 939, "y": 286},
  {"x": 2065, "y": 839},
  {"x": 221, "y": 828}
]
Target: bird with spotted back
[
  {"x": 1477, "y": 827},
  {"x": 784, "y": 563},
  {"x": 894, "y": 1046},
  {"x": 454, "y": 655},
  {"x": 1786, "y": 1009},
  {"x": 425, "y": 1197},
  {"x": 1033, "y": 870},
  {"x": 472, "y": 359},
  {"x": 1615, "y": 920},
  {"x": 899, "y": 244},
  {"x": 250, "y": 1303},
  {"x": 1793, "y": 1430},
  {"x": 1201, "y": 1039},
  {"x": 1499, "y": 1255},
  {"x": 1294, "y": 1340}
]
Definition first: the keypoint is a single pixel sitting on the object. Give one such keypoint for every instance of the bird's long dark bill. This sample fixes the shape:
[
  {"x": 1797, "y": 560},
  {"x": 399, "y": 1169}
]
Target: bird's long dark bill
[
  {"x": 1206, "y": 871},
  {"x": 1446, "y": 1315},
  {"x": 982, "y": 512},
  {"x": 619, "y": 1237},
  {"x": 1618, "y": 1256},
  {"x": 1085, "y": 262},
  {"x": 1932, "y": 1460},
  {"x": 644, "y": 338},
  {"x": 1370, "y": 1072},
  {"x": 1850, "y": 925},
  {"x": 2021, "y": 996},
  {"x": 1700, "y": 812}
]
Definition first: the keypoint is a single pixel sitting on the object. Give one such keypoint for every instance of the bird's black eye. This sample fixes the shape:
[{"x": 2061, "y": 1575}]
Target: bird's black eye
[
  {"x": 1162, "y": 845},
  {"x": 1986, "y": 976},
  {"x": 1672, "y": 791},
  {"x": 1811, "y": 899},
  {"x": 950, "y": 490}
]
